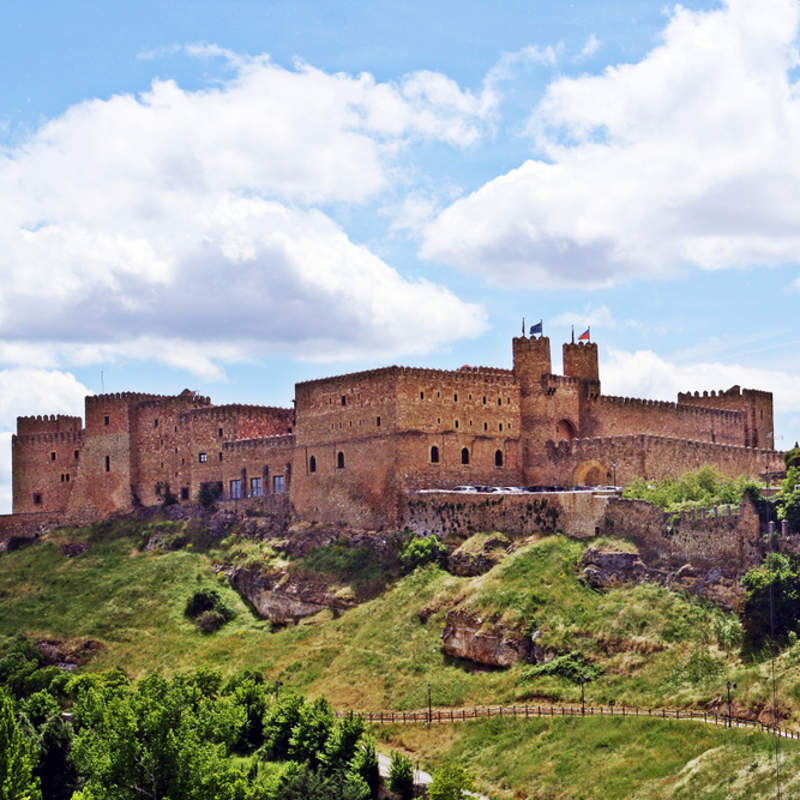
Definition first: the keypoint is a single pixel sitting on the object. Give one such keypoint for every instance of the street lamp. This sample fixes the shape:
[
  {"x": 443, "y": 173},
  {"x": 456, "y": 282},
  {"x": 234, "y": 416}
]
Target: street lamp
[
  {"x": 614, "y": 467},
  {"x": 430, "y": 712},
  {"x": 583, "y": 702},
  {"x": 729, "y": 686}
]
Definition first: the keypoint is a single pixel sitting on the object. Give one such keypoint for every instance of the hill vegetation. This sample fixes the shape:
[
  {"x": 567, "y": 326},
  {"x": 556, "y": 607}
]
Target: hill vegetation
[{"x": 98, "y": 597}]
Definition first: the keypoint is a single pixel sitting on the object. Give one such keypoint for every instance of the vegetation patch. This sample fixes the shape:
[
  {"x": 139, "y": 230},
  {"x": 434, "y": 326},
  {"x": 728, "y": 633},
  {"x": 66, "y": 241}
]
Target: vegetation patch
[{"x": 208, "y": 611}]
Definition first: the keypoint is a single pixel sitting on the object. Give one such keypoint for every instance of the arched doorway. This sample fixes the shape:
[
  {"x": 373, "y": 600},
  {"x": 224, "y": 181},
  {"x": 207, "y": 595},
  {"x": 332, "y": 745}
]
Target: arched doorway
[
  {"x": 565, "y": 430},
  {"x": 590, "y": 473}
]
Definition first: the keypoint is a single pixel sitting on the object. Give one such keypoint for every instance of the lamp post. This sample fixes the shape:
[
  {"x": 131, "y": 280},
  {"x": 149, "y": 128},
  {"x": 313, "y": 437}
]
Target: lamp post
[
  {"x": 430, "y": 711},
  {"x": 583, "y": 703},
  {"x": 729, "y": 686},
  {"x": 614, "y": 468}
]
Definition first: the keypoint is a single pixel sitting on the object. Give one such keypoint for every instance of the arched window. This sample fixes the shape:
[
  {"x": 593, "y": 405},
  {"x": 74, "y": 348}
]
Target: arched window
[
  {"x": 434, "y": 455},
  {"x": 340, "y": 460},
  {"x": 312, "y": 464},
  {"x": 465, "y": 455},
  {"x": 498, "y": 458}
]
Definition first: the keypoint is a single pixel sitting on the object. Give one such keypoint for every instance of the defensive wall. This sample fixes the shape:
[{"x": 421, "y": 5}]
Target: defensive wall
[{"x": 355, "y": 445}]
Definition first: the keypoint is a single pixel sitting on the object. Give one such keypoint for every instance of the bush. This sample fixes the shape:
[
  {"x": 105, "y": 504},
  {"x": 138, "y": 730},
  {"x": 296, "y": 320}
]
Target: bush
[
  {"x": 779, "y": 573},
  {"x": 574, "y": 667},
  {"x": 417, "y": 552},
  {"x": 787, "y": 501},
  {"x": 208, "y": 610},
  {"x": 209, "y": 494},
  {"x": 401, "y": 776},
  {"x": 449, "y": 783}
]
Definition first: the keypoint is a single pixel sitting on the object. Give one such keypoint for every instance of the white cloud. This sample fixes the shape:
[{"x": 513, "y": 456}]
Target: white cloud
[
  {"x": 181, "y": 225},
  {"x": 5, "y": 472},
  {"x": 688, "y": 157},
  {"x": 591, "y": 46},
  {"x": 600, "y": 317},
  {"x": 643, "y": 373}
]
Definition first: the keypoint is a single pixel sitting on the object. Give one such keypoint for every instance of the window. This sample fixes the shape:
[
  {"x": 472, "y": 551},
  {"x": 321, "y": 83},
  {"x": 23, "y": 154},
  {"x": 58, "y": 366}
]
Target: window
[
  {"x": 484, "y": 399},
  {"x": 155, "y": 422},
  {"x": 255, "y": 487},
  {"x": 277, "y": 484},
  {"x": 37, "y": 499},
  {"x": 422, "y": 395},
  {"x": 498, "y": 458},
  {"x": 106, "y": 419},
  {"x": 499, "y": 401},
  {"x": 158, "y": 489},
  {"x": 66, "y": 477},
  {"x": 77, "y": 454},
  {"x": 108, "y": 463},
  {"x": 312, "y": 464},
  {"x": 202, "y": 458},
  {"x": 236, "y": 489},
  {"x": 344, "y": 400},
  {"x": 62, "y": 477},
  {"x": 340, "y": 460},
  {"x": 219, "y": 431},
  {"x": 456, "y": 423},
  {"x": 486, "y": 426},
  {"x": 455, "y": 397},
  {"x": 500, "y": 426},
  {"x": 465, "y": 455},
  {"x": 377, "y": 422},
  {"x": 434, "y": 455},
  {"x": 184, "y": 492},
  {"x": 220, "y": 455},
  {"x": 53, "y": 456}
]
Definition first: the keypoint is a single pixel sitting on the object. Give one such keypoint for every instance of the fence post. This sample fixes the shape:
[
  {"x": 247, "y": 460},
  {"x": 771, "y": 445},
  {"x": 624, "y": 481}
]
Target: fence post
[{"x": 526, "y": 711}]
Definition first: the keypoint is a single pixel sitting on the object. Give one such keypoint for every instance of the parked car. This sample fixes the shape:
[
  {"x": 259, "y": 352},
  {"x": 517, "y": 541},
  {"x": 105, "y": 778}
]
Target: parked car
[{"x": 465, "y": 489}]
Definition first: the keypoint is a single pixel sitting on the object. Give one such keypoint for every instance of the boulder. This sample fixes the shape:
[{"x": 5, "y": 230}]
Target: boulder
[{"x": 467, "y": 635}]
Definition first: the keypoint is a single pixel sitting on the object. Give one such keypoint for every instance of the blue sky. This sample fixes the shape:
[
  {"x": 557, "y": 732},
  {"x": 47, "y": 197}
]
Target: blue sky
[{"x": 237, "y": 196}]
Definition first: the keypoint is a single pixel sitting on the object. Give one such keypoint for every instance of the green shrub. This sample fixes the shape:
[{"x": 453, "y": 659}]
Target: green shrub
[
  {"x": 208, "y": 610},
  {"x": 418, "y": 552},
  {"x": 574, "y": 667},
  {"x": 401, "y": 776},
  {"x": 451, "y": 782}
]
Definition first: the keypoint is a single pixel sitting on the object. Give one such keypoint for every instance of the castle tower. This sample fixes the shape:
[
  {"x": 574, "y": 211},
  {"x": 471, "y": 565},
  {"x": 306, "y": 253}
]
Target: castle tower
[
  {"x": 531, "y": 358},
  {"x": 580, "y": 361}
]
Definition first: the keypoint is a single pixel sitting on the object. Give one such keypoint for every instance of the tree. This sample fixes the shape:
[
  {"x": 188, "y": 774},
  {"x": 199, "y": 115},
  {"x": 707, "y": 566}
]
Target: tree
[
  {"x": 341, "y": 744},
  {"x": 16, "y": 764},
  {"x": 449, "y": 783},
  {"x": 311, "y": 731},
  {"x": 401, "y": 776},
  {"x": 787, "y": 501},
  {"x": 365, "y": 765},
  {"x": 780, "y": 575},
  {"x": 422, "y": 551}
]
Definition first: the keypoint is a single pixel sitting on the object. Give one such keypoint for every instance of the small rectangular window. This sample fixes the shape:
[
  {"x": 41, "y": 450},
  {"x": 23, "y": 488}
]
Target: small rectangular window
[
  {"x": 255, "y": 487},
  {"x": 108, "y": 463},
  {"x": 37, "y": 499},
  {"x": 377, "y": 422},
  {"x": 158, "y": 490},
  {"x": 202, "y": 458},
  {"x": 220, "y": 456},
  {"x": 422, "y": 395},
  {"x": 184, "y": 492},
  {"x": 53, "y": 456},
  {"x": 236, "y": 489},
  {"x": 455, "y": 397},
  {"x": 77, "y": 454},
  {"x": 344, "y": 400},
  {"x": 219, "y": 431},
  {"x": 155, "y": 422},
  {"x": 106, "y": 419},
  {"x": 67, "y": 477},
  {"x": 277, "y": 484}
]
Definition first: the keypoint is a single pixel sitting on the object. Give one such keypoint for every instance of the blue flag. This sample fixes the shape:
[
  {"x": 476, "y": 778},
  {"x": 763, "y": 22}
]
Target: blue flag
[{"x": 537, "y": 328}]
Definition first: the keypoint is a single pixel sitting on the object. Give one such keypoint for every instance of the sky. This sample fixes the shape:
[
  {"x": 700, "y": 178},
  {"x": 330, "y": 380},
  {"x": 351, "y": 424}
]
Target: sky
[{"x": 233, "y": 197}]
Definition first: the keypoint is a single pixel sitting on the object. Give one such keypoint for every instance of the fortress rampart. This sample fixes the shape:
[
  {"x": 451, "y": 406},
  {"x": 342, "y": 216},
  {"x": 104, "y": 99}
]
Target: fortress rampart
[{"x": 356, "y": 445}]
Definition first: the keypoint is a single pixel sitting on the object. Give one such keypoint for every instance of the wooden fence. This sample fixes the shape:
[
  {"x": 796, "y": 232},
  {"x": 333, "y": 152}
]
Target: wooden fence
[{"x": 452, "y": 715}]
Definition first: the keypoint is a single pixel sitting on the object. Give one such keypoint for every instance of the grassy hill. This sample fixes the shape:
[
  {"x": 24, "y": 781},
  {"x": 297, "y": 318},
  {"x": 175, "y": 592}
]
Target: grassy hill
[{"x": 651, "y": 646}]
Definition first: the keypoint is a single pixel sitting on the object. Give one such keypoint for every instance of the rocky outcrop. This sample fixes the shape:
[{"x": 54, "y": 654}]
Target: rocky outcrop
[
  {"x": 283, "y": 597},
  {"x": 478, "y": 555},
  {"x": 466, "y": 635},
  {"x": 605, "y": 569},
  {"x": 68, "y": 655}
]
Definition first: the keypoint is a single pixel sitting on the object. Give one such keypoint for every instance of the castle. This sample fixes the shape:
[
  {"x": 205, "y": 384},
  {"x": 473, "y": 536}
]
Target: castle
[{"x": 354, "y": 446}]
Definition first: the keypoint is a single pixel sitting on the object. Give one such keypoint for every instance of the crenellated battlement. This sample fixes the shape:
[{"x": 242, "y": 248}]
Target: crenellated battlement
[
  {"x": 51, "y": 437},
  {"x": 233, "y": 410},
  {"x": 667, "y": 405},
  {"x": 48, "y": 423},
  {"x": 166, "y": 401}
]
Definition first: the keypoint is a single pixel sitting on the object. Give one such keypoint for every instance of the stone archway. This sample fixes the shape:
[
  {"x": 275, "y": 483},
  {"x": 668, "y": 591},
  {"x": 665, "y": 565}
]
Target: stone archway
[
  {"x": 565, "y": 430},
  {"x": 590, "y": 473}
]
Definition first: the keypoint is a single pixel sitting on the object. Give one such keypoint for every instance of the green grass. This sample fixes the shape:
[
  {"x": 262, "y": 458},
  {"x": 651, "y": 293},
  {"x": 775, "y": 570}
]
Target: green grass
[
  {"x": 613, "y": 759},
  {"x": 653, "y": 647}
]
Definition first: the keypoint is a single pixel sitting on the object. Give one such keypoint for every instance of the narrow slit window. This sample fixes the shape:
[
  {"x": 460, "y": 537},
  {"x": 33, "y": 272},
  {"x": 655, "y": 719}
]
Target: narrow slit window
[
  {"x": 312, "y": 464},
  {"x": 53, "y": 456},
  {"x": 498, "y": 458},
  {"x": 108, "y": 463},
  {"x": 465, "y": 455},
  {"x": 340, "y": 460},
  {"x": 106, "y": 419},
  {"x": 377, "y": 422},
  {"x": 434, "y": 455}
]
